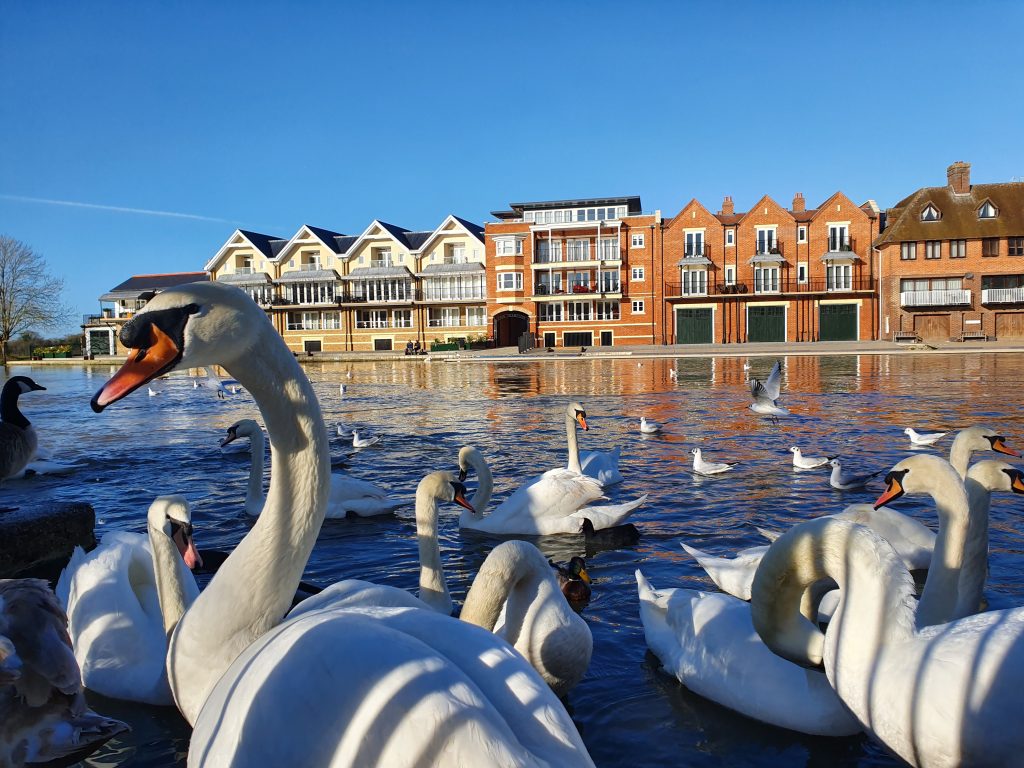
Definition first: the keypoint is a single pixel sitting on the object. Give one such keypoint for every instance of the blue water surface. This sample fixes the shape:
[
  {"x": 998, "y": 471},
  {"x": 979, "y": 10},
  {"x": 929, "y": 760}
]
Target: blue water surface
[{"x": 630, "y": 713}]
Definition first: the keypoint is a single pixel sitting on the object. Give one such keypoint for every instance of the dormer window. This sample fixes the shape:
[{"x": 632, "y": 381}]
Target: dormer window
[
  {"x": 987, "y": 210},
  {"x": 930, "y": 213}
]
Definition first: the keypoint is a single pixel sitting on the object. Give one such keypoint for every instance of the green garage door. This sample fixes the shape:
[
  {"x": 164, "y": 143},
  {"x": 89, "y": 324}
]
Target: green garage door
[
  {"x": 766, "y": 323},
  {"x": 693, "y": 326},
  {"x": 837, "y": 322}
]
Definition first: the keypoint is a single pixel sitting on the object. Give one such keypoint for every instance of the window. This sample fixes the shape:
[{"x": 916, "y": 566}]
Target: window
[
  {"x": 609, "y": 282},
  {"x": 579, "y": 282},
  {"x": 549, "y": 251},
  {"x": 908, "y": 251},
  {"x": 933, "y": 284},
  {"x": 990, "y": 246},
  {"x": 476, "y": 315},
  {"x": 455, "y": 254},
  {"x": 579, "y": 250},
  {"x": 694, "y": 244},
  {"x": 331, "y": 321},
  {"x": 510, "y": 281},
  {"x": 839, "y": 277},
  {"x": 957, "y": 249},
  {"x": 551, "y": 313},
  {"x": 402, "y": 318},
  {"x": 607, "y": 310},
  {"x": 638, "y": 307},
  {"x": 801, "y": 272},
  {"x": 381, "y": 257},
  {"x": 579, "y": 310},
  {"x": 636, "y": 273},
  {"x": 933, "y": 249},
  {"x": 695, "y": 282},
  {"x": 765, "y": 240},
  {"x": 987, "y": 210},
  {"x": 730, "y": 275},
  {"x": 801, "y": 234},
  {"x": 636, "y": 240},
  {"x": 838, "y": 238},
  {"x": 730, "y": 237},
  {"x": 766, "y": 280},
  {"x": 990, "y": 282},
  {"x": 1015, "y": 246},
  {"x": 608, "y": 248},
  {"x": 508, "y": 246},
  {"x": 930, "y": 213}
]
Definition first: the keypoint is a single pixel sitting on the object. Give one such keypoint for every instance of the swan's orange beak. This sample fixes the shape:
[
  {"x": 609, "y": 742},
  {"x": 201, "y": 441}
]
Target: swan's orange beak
[
  {"x": 999, "y": 446},
  {"x": 231, "y": 437},
  {"x": 187, "y": 547},
  {"x": 460, "y": 497},
  {"x": 893, "y": 489},
  {"x": 142, "y": 366},
  {"x": 581, "y": 419},
  {"x": 1016, "y": 480}
]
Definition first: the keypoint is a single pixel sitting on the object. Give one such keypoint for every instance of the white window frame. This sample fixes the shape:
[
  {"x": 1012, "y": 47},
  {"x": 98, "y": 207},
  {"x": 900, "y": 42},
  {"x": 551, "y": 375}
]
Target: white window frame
[
  {"x": 767, "y": 279},
  {"x": 637, "y": 307},
  {"x": 801, "y": 272},
  {"x": 636, "y": 240},
  {"x": 730, "y": 238},
  {"x": 988, "y": 204},
  {"x": 695, "y": 282},
  {"x": 730, "y": 274},
  {"x": 693, "y": 242},
  {"x": 550, "y": 312},
  {"x": 931, "y": 207},
  {"x": 801, "y": 234},
  {"x": 636, "y": 274},
  {"x": 508, "y": 246},
  {"x": 838, "y": 232},
  {"x": 517, "y": 281},
  {"x": 771, "y": 238},
  {"x": 839, "y": 276}
]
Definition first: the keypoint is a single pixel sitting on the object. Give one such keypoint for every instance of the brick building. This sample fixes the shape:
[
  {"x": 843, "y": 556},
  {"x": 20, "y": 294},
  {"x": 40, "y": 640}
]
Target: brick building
[
  {"x": 771, "y": 273},
  {"x": 953, "y": 261},
  {"x": 575, "y": 273}
]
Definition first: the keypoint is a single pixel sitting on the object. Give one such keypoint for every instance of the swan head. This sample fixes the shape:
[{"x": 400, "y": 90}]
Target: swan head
[
  {"x": 469, "y": 457},
  {"x": 997, "y": 476},
  {"x": 244, "y": 428},
  {"x": 578, "y": 413},
  {"x": 173, "y": 516},
  {"x": 192, "y": 326},
  {"x": 917, "y": 474},
  {"x": 981, "y": 438},
  {"x": 444, "y": 487}
]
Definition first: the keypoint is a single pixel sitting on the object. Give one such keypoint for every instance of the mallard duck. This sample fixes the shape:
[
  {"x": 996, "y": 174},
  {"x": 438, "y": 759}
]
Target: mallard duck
[{"x": 573, "y": 579}]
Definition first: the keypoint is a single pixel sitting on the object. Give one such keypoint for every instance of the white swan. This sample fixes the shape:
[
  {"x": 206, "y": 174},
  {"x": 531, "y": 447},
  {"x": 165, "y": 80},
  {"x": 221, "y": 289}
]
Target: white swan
[
  {"x": 348, "y": 495},
  {"x": 124, "y": 598},
  {"x": 912, "y": 539},
  {"x": 18, "y": 439},
  {"x": 940, "y": 697},
  {"x": 516, "y": 582},
  {"x": 555, "y": 502},
  {"x": 708, "y": 642},
  {"x": 43, "y": 711},
  {"x": 603, "y": 466},
  {"x": 337, "y": 687}
]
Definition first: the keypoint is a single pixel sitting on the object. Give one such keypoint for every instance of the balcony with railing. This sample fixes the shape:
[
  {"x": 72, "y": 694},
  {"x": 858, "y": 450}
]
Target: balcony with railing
[
  {"x": 766, "y": 249},
  {"x": 789, "y": 285},
  {"x": 392, "y": 296},
  {"x": 840, "y": 244},
  {"x": 463, "y": 294},
  {"x": 1002, "y": 296},
  {"x": 944, "y": 298}
]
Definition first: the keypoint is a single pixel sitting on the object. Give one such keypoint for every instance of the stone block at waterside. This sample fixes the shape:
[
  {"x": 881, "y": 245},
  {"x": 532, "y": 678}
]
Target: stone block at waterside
[{"x": 33, "y": 535}]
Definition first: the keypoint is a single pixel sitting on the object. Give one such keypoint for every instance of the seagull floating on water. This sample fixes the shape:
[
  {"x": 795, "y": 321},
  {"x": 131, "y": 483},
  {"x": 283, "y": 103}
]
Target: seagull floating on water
[
  {"x": 766, "y": 394},
  {"x": 363, "y": 442},
  {"x": 844, "y": 482},
  {"x": 922, "y": 439},
  {"x": 649, "y": 427},
  {"x": 809, "y": 462},
  {"x": 702, "y": 467}
]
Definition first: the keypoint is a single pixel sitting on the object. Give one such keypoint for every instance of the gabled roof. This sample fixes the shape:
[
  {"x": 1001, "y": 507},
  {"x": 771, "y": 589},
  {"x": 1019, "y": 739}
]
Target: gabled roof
[
  {"x": 326, "y": 237},
  {"x": 766, "y": 200},
  {"x": 474, "y": 230},
  {"x": 417, "y": 239},
  {"x": 827, "y": 206},
  {"x": 959, "y": 214},
  {"x": 398, "y": 234},
  {"x": 268, "y": 245},
  {"x": 345, "y": 242},
  {"x": 137, "y": 285},
  {"x": 693, "y": 202}
]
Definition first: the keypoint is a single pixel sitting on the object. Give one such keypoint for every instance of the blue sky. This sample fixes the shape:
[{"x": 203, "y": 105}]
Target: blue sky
[{"x": 270, "y": 115}]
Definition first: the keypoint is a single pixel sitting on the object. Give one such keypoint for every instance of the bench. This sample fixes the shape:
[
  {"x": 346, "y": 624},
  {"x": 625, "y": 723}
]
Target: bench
[
  {"x": 905, "y": 336},
  {"x": 973, "y": 336}
]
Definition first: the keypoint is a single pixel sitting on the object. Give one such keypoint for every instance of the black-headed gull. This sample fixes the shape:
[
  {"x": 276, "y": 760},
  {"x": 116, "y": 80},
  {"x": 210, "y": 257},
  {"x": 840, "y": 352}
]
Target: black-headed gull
[
  {"x": 766, "y": 394},
  {"x": 363, "y": 442},
  {"x": 923, "y": 439},
  {"x": 844, "y": 482},
  {"x": 649, "y": 427},
  {"x": 702, "y": 467},
  {"x": 809, "y": 462}
]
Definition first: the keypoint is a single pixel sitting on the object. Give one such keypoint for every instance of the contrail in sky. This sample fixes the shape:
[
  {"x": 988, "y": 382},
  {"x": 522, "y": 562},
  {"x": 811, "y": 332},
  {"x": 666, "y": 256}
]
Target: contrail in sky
[{"x": 118, "y": 209}]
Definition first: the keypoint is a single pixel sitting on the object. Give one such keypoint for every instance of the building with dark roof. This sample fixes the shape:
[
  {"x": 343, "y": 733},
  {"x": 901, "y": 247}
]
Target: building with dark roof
[
  {"x": 952, "y": 261},
  {"x": 100, "y": 331}
]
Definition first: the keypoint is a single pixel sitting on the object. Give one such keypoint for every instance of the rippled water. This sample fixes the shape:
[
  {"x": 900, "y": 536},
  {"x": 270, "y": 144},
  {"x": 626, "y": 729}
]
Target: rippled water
[{"x": 629, "y": 713}]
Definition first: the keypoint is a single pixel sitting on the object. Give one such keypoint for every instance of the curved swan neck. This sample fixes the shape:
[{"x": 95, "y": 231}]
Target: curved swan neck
[
  {"x": 877, "y": 592},
  {"x": 254, "y": 587},
  {"x": 574, "y": 448},
  {"x": 485, "y": 486},
  {"x": 433, "y": 585},
  {"x": 939, "y": 597},
  {"x": 513, "y": 573},
  {"x": 254, "y": 498},
  {"x": 974, "y": 570},
  {"x": 169, "y": 570}
]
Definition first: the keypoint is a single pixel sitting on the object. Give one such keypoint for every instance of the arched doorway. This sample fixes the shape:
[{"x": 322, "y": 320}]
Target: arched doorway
[{"x": 509, "y": 326}]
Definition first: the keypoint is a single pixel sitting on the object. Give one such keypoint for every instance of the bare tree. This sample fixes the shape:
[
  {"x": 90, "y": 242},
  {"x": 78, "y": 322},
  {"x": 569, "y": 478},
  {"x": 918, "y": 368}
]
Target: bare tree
[{"x": 30, "y": 295}]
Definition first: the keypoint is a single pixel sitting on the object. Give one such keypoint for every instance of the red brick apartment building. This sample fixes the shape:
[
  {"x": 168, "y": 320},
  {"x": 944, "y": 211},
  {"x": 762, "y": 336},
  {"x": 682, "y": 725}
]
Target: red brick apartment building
[
  {"x": 771, "y": 273},
  {"x": 575, "y": 273},
  {"x": 953, "y": 261}
]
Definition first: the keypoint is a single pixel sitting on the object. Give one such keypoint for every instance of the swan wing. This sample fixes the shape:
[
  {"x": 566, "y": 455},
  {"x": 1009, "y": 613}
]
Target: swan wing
[
  {"x": 913, "y": 540},
  {"x": 731, "y": 575},
  {"x": 602, "y": 465},
  {"x": 707, "y": 640},
  {"x": 544, "y": 505},
  {"x": 356, "y": 593},
  {"x": 395, "y": 687},
  {"x": 608, "y": 515}
]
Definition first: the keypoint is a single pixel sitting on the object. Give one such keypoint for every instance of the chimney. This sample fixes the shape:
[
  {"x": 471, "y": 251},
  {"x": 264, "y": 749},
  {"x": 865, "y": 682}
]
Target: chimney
[
  {"x": 799, "y": 206},
  {"x": 727, "y": 207},
  {"x": 959, "y": 177}
]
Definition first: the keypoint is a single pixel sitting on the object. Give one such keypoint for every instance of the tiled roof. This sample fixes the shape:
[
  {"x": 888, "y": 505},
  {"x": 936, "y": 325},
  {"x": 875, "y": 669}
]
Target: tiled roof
[
  {"x": 159, "y": 282},
  {"x": 345, "y": 242},
  {"x": 729, "y": 219},
  {"x": 416, "y": 239},
  {"x": 959, "y": 214},
  {"x": 264, "y": 243},
  {"x": 329, "y": 237},
  {"x": 396, "y": 232}
]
